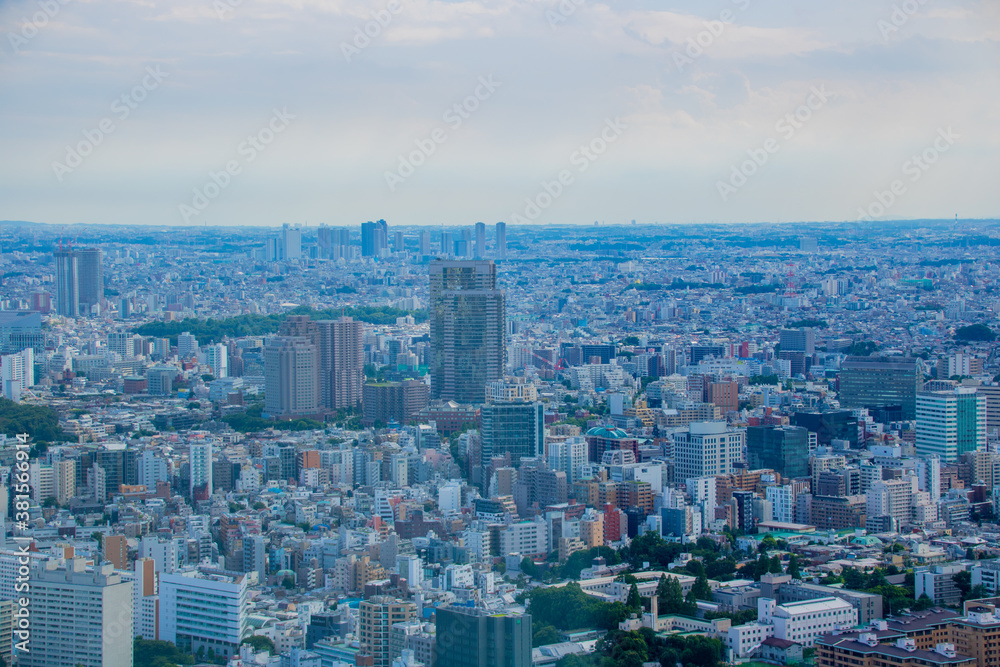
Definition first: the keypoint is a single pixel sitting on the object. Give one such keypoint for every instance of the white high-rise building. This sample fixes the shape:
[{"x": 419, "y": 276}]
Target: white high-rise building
[
  {"x": 217, "y": 356},
  {"x": 950, "y": 423},
  {"x": 152, "y": 469},
  {"x": 782, "y": 499},
  {"x": 929, "y": 477},
  {"x": 187, "y": 345},
  {"x": 707, "y": 448},
  {"x": 200, "y": 458},
  {"x": 450, "y": 497},
  {"x": 145, "y": 601},
  {"x": 568, "y": 456},
  {"x": 204, "y": 609},
  {"x": 17, "y": 373},
  {"x": 163, "y": 553},
  {"x": 703, "y": 494},
  {"x": 892, "y": 498},
  {"x": 79, "y": 617}
]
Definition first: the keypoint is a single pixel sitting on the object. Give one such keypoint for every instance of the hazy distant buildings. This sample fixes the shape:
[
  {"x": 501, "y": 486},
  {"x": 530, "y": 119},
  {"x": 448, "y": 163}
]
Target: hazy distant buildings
[
  {"x": 501, "y": 240},
  {"x": 467, "y": 329},
  {"x": 90, "y": 272},
  {"x": 480, "y": 249},
  {"x": 881, "y": 383},
  {"x": 374, "y": 238}
]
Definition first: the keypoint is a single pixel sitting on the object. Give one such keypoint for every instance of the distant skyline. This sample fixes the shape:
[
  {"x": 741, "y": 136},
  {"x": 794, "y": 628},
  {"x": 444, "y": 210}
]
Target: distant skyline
[{"x": 263, "y": 112}]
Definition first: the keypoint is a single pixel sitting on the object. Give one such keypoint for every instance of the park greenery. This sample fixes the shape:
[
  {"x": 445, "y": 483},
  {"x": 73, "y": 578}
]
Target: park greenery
[
  {"x": 252, "y": 421},
  {"x": 213, "y": 330},
  {"x": 975, "y": 333},
  {"x": 633, "y": 649},
  {"x": 41, "y": 423}
]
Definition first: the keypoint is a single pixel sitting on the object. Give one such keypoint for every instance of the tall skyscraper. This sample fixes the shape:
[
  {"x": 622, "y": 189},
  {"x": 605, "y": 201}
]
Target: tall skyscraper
[
  {"x": 67, "y": 283},
  {"x": 950, "y": 423},
  {"x": 79, "y": 616},
  {"x": 468, "y": 329},
  {"x": 501, "y": 240},
  {"x": 480, "y": 250},
  {"x": 425, "y": 243},
  {"x": 482, "y": 638},
  {"x": 90, "y": 273},
  {"x": 784, "y": 449},
  {"x": 881, "y": 383},
  {"x": 341, "y": 364},
  {"x": 291, "y": 378}
]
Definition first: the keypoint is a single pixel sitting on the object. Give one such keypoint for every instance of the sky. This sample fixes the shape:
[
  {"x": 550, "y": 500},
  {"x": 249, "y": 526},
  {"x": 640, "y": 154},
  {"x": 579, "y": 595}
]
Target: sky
[{"x": 432, "y": 112}]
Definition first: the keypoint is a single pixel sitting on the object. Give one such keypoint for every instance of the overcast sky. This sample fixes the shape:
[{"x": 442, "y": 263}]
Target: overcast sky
[{"x": 669, "y": 97}]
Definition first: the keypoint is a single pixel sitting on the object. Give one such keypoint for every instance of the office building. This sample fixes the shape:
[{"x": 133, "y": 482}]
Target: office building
[
  {"x": 512, "y": 427},
  {"x": 784, "y": 449},
  {"x": 204, "y": 609},
  {"x": 187, "y": 345},
  {"x": 881, "y": 383},
  {"x": 399, "y": 402},
  {"x": 706, "y": 448},
  {"x": 467, "y": 329},
  {"x": 798, "y": 340},
  {"x": 829, "y": 425},
  {"x": 341, "y": 362},
  {"x": 7, "y": 631},
  {"x": 376, "y": 616},
  {"x": 950, "y": 423},
  {"x": 145, "y": 600},
  {"x": 501, "y": 240},
  {"x": 79, "y": 617},
  {"x": 470, "y": 637},
  {"x": 425, "y": 243},
  {"x": 291, "y": 378}
]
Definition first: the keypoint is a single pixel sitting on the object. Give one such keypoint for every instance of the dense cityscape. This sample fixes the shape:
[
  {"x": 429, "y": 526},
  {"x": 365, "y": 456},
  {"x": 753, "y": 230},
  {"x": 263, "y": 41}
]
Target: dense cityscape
[{"x": 500, "y": 445}]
